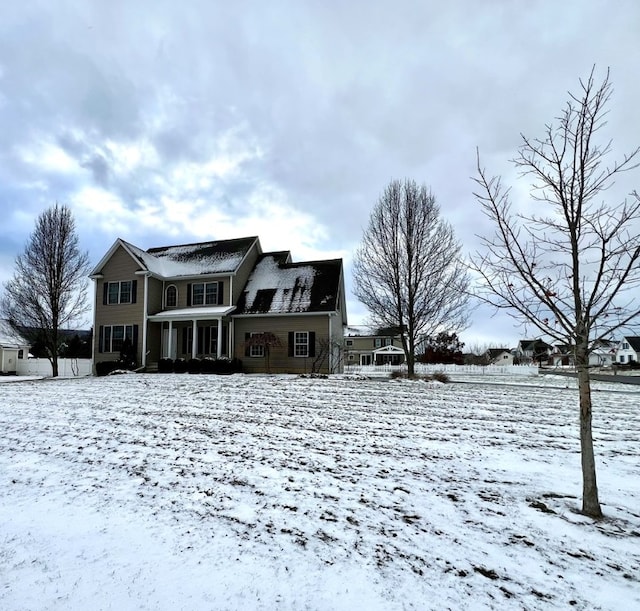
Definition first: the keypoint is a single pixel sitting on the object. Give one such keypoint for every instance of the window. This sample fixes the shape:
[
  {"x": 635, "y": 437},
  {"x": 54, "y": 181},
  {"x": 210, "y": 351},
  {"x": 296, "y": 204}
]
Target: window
[
  {"x": 625, "y": 346},
  {"x": 377, "y": 342},
  {"x": 622, "y": 358},
  {"x": 204, "y": 293},
  {"x": 349, "y": 342},
  {"x": 20, "y": 354},
  {"x": 120, "y": 292},
  {"x": 171, "y": 299},
  {"x": 113, "y": 337},
  {"x": 256, "y": 350},
  {"x": 301, "y": 343},
  {"x": 387, "y": 341}
]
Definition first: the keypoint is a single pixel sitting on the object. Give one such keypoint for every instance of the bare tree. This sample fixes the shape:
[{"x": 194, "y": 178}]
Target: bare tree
[
  {"x": 329, "y": 353},
  {"x": 569, "y": 267},
  {"x": 407, "y": 270},
  {"x": 47, "y": 291}
]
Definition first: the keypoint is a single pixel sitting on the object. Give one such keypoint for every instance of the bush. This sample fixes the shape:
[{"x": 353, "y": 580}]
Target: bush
[
  {"x": 441, "y": 376},
  {"x": 104, "y": 368},
  {"x": 165, "y": 366},
  {"x": 194, "y": 366},
  {"x": 180, "y": 366},
  {"x": 222, "y": 366}
]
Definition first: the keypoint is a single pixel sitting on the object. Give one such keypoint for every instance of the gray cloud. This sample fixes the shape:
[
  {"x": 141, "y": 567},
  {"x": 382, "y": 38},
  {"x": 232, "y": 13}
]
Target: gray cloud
[{"x": 319, "y": 104}]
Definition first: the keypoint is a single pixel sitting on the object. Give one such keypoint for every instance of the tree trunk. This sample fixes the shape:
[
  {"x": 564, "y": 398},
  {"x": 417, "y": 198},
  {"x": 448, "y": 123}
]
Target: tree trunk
[{"x": 590, "y": 502}]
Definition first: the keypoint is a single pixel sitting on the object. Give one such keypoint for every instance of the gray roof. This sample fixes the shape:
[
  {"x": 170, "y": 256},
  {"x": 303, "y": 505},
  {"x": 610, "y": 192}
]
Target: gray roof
[
  {"x": 202, "y": 258},
  {"x": 277, "y": 286}
]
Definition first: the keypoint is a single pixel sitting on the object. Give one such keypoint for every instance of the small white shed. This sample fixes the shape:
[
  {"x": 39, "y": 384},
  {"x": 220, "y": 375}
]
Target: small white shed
[{"x": 13, "y": 348}]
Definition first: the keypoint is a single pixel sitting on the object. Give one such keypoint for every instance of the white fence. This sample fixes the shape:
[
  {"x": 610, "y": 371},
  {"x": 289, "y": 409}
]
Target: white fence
[
  {"x": 66, "y": 367},
  {"x": 476, "y": 370}
]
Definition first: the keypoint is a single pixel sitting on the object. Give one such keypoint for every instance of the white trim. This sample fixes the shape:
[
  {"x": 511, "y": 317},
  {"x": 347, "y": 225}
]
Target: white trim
[
  {"x": 287, "y": 314},
  {"x": 143, "y": 359},
  {"x": 194, "y": 313}
]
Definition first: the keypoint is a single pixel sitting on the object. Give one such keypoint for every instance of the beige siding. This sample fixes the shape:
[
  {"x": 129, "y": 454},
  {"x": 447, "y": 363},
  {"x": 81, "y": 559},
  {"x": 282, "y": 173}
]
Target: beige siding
[
  {"x": 154, "y": 297},
  {"x": 120, "y": 267},
  {"x": 279, "y": 359}
]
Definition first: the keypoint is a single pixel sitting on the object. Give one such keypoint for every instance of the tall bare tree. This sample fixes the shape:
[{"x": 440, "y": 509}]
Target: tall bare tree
[
  {"x": 47, "y": 291},
  {"x": 407, "y": 270},
  {"x": 567, "y": 264}
]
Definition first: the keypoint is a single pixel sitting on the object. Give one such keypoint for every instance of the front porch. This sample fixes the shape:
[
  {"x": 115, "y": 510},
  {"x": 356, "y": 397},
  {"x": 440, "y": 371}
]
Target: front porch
[{"x": 189, "y": 334}]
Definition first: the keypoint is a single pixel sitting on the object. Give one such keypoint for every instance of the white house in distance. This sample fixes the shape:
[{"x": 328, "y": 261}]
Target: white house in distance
[
  {"x": 628, "y": 350},
  {"x": 13, "y": 347}
]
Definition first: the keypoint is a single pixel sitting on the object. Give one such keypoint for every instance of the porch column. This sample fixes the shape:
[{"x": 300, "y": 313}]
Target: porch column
[
  {"x": 194, "y": 343},
  {"x": 169, "y": 346},
  {"x": 219, "y": 341}
]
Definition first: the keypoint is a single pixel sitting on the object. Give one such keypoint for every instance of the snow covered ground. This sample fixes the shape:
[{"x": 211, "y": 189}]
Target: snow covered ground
[{"x": 240, "y": 492}]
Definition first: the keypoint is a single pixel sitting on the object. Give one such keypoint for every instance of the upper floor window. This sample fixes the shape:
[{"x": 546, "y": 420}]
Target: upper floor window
[
  {"x": 377, "y": 342},
  {"x": 120, "y": 292},
  {"x": 625, "y": 346},
  {"x": 205, "y": 293},
  {"x": 171, "y": 298},
  {"x": 349, "y": 342}
]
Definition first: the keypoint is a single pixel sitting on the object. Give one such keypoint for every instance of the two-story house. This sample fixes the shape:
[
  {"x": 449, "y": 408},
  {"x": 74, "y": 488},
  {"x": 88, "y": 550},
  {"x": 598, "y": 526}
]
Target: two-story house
[
  {"x": 366, "y": 347},
  {"x": 207, "y": 299}
]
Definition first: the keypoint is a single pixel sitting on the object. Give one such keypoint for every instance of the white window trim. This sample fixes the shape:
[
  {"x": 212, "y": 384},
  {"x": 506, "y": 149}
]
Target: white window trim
[
  {"x": 110, "y": 328},
  {"x": 166, "y": 293},
  {"x": 301, "y": 344},
  {"x": 119, "y": 283},
  {"x": 204, "y": 286},
  {"x": 258, "y": 350}
]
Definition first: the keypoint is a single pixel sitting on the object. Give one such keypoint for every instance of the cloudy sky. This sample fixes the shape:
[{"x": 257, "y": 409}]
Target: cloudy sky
[{"x": 166, "y": 122}]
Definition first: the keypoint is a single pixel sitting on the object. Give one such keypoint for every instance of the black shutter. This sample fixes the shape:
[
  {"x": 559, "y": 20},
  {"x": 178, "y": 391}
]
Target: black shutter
[
  {"x": 184, "y": 340},
  {"x": 247, "y": 348},
  {"x": 105, "y": 292},
  {"x": 188, "y": 294},
  {"x": 100, "y": 337},
  {"x": 220, "y": 295},
  {"x": 312, "y": 343},
  {"x": 291, "y": 336},
  {"x": 225, "y": 341},
  {"x": 134, "y": 290}
]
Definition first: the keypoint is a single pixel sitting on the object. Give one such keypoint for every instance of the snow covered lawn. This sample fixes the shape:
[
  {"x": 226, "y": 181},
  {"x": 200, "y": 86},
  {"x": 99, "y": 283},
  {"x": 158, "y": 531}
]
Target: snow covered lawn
[{"x": 239, "y": 492}]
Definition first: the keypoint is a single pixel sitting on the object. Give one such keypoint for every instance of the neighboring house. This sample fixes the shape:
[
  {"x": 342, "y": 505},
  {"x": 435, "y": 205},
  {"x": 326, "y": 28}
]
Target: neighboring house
[
  {"x": 13, "y": 347},
  {"x": 368, "y": 347},
  {"x": 628, "y": 350},
  {"x": 499, "y": 356},
  {"x": 533, "y": 350},
  {"x": 206, "y": 299},
  {"x": 562, "y": 356},
  {"x": 603, "y": 353}
]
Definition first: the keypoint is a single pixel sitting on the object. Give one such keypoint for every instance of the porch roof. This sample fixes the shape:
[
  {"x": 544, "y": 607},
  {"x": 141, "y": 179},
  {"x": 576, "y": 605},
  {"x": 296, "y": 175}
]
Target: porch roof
[
  {"x": 389, "y": 350},
  {"x": 182, "y": 314}
]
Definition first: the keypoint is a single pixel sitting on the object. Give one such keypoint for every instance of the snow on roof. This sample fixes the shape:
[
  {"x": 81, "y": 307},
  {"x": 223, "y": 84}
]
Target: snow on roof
[
  {"x": 275, "y": 287},
  {"x": 218, "y": 257},
  {"x": 9, "y": 337}
]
